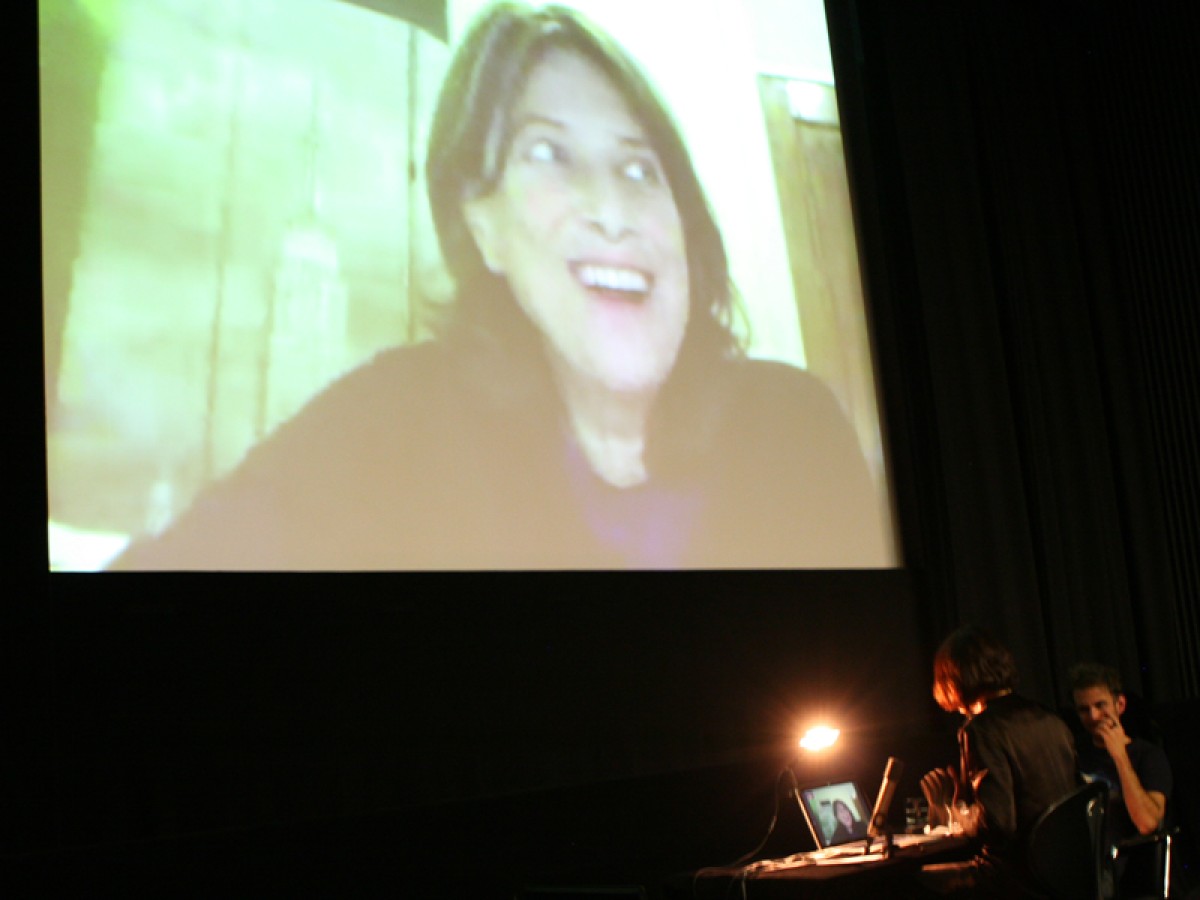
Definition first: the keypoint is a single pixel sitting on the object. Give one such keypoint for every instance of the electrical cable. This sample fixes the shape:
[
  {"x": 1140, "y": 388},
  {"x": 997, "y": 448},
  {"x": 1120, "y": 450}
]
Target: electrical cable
[
  {"x": 745, "y": 857},
  {"x": 774, "y": 817}
]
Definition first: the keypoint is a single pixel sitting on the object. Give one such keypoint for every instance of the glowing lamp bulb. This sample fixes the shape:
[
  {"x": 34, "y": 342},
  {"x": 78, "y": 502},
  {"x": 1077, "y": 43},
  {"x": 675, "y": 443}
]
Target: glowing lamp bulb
[{"x": 820, "y": 737}]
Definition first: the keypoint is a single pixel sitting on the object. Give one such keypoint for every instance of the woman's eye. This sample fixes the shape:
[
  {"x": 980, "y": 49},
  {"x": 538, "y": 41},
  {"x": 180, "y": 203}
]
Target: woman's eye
[
  {"x": 641, "y": 170},
  {"x": 543, "y": 151}
]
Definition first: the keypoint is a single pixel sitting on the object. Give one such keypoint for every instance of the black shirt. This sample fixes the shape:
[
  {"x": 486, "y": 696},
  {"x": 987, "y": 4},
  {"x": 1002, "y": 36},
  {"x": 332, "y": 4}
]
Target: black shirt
[
  {"x": 1029, "y": 756},
  {"x": 409, "y": 462}
]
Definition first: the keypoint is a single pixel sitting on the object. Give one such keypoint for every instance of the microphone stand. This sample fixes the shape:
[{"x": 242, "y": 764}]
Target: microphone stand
[
  {"x": 883, "y": 802},
  {"x": 881, "y": 829}
]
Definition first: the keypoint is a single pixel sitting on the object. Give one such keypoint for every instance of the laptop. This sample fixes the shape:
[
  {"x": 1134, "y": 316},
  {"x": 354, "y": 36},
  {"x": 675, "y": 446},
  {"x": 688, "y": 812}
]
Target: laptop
[{"x": 836, "y": 813}]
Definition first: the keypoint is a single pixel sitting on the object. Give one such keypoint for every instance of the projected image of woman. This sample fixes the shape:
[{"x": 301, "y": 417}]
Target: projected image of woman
[
  {"x": 587, "y": 404},
  {"x": 846, "y": 827}
]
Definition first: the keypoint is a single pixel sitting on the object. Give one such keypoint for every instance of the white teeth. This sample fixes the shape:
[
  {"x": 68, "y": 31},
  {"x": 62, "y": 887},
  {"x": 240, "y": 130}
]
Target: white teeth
[{"x": 609, "y": 278}]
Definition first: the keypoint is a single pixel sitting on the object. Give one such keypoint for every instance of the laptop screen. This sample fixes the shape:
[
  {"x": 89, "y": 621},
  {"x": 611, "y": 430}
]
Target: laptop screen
[{"x": 836, "y": 813}]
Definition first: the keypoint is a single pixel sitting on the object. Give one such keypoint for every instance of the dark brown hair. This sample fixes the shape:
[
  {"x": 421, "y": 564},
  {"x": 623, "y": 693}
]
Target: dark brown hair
[
  {"x": 844, "y": 805},
  {"x": 1089, "y": 674},
  {"x": 969, "y": 665}
]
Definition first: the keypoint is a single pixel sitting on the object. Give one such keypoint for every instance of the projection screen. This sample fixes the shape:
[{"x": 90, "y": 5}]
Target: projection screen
[{"x": 634, "y": 338}]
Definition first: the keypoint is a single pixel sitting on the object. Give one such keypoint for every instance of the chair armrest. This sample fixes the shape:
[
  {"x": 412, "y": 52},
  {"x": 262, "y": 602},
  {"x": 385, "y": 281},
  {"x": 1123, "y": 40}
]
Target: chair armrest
[{"x": 1141, "y": 840}]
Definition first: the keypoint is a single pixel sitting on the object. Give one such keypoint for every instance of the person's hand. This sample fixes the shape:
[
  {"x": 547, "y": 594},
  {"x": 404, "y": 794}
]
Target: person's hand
[
  {"x": 947, "y": 803},
  {"x": 1112, "y": 732},
  {"x": 940, "y": 788}
]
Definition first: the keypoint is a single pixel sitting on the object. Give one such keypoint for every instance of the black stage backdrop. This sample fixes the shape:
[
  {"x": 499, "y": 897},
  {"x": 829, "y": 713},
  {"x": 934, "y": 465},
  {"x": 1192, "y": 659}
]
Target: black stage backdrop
[
  {"x": 1040, "y": 313},
  {"x": 1028, "y": 194}
]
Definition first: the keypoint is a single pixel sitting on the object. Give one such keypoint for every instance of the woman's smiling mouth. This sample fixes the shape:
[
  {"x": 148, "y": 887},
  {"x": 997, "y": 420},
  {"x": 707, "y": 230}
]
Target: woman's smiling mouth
[{"x": 617, "y": 282}]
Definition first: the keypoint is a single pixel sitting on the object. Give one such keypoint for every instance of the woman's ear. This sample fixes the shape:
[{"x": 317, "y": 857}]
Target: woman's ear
[{"x": 480, "y": 215}]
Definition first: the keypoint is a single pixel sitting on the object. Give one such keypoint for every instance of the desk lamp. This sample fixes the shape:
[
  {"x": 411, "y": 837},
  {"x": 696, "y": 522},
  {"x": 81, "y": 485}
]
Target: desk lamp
[{"x": 819, "y": 737}]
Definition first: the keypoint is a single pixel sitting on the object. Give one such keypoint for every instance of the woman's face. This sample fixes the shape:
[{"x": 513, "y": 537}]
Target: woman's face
[
  {"x": 583, "y": 226},
  {"x": 843, "y": 813}
]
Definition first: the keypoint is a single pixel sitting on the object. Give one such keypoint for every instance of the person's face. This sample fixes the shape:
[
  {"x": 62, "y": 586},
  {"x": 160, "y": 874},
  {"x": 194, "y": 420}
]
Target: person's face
[
  {"x": 844, "y": 815},
  {"x": 584, "y": 227},
  {"x": 1096, "y": 706}
]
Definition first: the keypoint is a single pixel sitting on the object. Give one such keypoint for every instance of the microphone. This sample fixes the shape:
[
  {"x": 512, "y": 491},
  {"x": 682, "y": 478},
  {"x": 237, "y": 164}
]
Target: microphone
[{"x": 883, "y": 801}]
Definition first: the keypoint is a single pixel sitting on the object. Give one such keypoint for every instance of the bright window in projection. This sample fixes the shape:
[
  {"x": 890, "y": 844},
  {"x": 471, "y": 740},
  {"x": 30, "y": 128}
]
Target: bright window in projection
[{"x": 616, "y": 323}]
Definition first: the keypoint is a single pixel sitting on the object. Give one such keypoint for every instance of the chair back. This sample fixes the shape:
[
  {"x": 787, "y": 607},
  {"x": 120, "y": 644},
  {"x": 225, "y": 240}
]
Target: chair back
[
  {"x": 1148, "y": 862},
  {"x": 1067, "y": 845}
]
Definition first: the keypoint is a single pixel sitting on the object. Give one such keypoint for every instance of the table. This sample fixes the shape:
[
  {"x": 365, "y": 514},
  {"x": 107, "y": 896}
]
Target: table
[{"x": 876, "y": 878}]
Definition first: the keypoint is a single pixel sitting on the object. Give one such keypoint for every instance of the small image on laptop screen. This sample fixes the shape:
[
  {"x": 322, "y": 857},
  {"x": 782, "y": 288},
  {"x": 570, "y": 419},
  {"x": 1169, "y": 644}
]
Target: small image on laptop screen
[{"x": 836, "y": 813}]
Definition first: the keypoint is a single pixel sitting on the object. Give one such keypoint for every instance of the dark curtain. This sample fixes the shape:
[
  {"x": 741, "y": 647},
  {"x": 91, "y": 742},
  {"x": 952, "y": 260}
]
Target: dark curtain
[{"x": 1027, "y": 179}]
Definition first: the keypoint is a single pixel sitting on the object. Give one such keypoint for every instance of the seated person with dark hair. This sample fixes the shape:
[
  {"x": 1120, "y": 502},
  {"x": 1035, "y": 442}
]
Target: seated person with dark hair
[
  {"x": 1017, "y": 758},
  {"x": 1136, "y": 770}
]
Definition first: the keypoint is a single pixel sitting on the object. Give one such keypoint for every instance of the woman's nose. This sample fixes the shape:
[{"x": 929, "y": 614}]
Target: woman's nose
[{"x": 603, "y": 205}]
